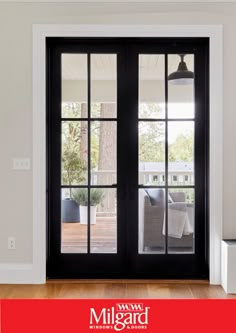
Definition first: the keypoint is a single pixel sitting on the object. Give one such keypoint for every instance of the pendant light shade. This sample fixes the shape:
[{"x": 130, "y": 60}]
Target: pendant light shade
[{"x": 182, "y": 76}]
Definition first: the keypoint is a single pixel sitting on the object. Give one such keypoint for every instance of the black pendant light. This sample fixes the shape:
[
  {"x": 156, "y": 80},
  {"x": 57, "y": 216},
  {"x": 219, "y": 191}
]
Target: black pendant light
[{"x": 182, "y": 76}]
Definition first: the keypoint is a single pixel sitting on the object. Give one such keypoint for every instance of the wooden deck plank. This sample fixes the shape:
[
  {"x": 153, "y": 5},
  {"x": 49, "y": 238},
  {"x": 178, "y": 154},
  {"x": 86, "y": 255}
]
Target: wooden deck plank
[{"x": 103, "y": 236}]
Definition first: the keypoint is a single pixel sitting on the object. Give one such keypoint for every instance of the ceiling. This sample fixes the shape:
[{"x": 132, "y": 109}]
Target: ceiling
[{"x": 103, "y": 66}]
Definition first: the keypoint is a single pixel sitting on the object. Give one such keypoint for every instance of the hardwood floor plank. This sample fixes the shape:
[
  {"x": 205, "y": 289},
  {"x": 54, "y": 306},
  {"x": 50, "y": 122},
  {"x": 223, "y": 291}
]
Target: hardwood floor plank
[
  {"x": 180, "y": 291},
  {"x": 158, "y": 290},
  {"x": 136, "y": 290},
  {"x": 92, "y": 291},
  {"x": 210, "y": 291},
  {"x": 114, "y": 289}
]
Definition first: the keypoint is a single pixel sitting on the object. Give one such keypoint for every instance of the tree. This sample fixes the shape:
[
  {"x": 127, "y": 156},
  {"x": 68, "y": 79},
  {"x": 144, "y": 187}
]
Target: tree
[
  {"x": 150, "y": 110},
  {"x": 182, "y": 148},
  {"x": 151, "y": 134},
  {"x": 151, "y": 138},
  {"x": 73, "y": 166},
  {"x": 107, "y": 144},
  {"x": 73, "y": 163},
  {"x": 151, "y": 142}
]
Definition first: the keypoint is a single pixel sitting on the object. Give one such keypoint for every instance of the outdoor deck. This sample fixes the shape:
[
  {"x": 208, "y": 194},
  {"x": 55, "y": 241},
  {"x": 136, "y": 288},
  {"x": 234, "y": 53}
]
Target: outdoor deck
[{"x": 103, "y": 236}]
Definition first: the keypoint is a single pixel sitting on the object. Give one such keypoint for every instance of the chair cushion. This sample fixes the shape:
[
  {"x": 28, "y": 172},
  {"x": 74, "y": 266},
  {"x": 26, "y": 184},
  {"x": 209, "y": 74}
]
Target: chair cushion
[
  {"x": 156, "y": 196},
  {"x": 178, "y": 196}
]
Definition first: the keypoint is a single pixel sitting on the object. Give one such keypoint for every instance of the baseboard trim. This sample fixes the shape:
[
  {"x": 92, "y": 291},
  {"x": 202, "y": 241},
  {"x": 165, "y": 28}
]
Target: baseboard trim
[{"x": 16, "y": 274}]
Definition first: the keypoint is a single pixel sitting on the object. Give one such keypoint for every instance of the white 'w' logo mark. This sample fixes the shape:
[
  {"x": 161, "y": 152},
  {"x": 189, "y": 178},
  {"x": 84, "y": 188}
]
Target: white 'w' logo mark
[{"x": 129, "y": 307}]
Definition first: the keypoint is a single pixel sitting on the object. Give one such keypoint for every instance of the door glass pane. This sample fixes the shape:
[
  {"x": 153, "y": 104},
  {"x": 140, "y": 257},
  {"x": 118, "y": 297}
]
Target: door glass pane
[
  {"x": 151, "y": 153},
  {"x": 103, "y": 86},
  {"x": 151, "y": 86},
  {"x": 181, "y": 153},
  {"x": 74, "y": 152},
  {"x": 74, "y": 85},
  {"x": 103, "y": 219},
  {"x": 181, "y": 91},
  {"x": 103, "y": 152},
  {"x": 73, "y": 232},
  {"x": 181, "y": 220},
  {"x": 151, "y": 220}
]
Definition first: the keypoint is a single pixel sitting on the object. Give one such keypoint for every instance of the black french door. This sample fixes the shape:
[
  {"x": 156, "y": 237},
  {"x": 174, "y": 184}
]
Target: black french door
[{"x": 127, "y": 157}]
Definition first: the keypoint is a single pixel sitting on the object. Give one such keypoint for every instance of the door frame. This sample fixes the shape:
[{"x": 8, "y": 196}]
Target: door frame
[{"x": 215, "y": 35}]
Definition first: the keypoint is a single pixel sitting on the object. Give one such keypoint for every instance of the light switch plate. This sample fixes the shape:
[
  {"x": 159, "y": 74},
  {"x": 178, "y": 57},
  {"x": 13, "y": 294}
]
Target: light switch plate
[{"x": 21, "y": 164}]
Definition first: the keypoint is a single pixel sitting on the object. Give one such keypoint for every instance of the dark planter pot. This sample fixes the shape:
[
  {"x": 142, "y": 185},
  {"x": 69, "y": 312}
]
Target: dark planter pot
[{"x": 70, "y": 211}]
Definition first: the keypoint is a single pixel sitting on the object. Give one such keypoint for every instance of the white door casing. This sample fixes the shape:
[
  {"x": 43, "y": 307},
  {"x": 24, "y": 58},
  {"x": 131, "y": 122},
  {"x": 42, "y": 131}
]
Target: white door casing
[{"x": 40, "y": 32}]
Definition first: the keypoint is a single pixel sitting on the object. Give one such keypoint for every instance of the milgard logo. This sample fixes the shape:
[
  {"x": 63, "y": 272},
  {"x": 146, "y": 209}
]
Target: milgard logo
[{"x": 120, "y": 316}]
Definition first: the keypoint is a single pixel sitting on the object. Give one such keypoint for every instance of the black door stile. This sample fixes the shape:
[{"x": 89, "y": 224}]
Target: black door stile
[{"x": 127, "y": 262}]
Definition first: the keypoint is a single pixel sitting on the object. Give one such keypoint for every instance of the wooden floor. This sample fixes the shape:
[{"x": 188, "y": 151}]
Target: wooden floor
[
  {"x": 103, "y": 236},
  {"x": 115, "y": 289}
]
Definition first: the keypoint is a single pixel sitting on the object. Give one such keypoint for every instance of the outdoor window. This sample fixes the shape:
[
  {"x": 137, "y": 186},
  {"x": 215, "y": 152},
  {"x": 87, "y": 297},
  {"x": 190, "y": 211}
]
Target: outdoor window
[
  {"x": 155, "y": 178},
  {"x": 175, "y": 178}
]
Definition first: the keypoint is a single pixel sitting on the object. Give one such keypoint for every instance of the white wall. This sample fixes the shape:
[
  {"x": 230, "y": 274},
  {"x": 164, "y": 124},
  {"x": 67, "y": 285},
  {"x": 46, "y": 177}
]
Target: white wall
[{"x": 16, "y": 97}]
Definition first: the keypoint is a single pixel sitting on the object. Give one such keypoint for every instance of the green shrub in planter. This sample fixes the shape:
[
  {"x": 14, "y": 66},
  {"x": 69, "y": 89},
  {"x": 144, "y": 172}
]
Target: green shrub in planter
[
  {"x": 80, "y": 196},
  {"x": 73, "y": 173}
]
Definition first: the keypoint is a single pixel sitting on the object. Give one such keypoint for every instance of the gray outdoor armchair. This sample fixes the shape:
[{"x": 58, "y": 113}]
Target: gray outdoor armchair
[{"x": 151, "y": 219}]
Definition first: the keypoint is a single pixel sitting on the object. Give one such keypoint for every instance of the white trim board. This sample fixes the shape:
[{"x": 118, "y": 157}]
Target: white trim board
[
  {"x": 215, "y": 34},
  {"x": 16, "y": 274}
]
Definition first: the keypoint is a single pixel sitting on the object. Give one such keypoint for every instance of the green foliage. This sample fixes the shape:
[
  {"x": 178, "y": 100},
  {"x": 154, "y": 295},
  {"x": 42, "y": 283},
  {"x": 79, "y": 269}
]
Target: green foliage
[
  {"x": 182, "y": 148},
  {"x": 95, "y": 110},
  {"x": 151, "y": 142},
  {"x": 81, "y": 196},
  {"x": 151, "y": 134},
  {"x": 95, "y": 132},
  {"x": 73, "y": 167},
  {"x": 150, "y": 110},
  {"x": 71, "y": 110},
  {"x": 152, "y": 138}
]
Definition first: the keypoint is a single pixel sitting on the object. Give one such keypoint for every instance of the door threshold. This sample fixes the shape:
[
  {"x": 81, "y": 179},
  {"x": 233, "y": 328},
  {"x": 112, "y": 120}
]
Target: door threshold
[{"x": 127, "y": 281}]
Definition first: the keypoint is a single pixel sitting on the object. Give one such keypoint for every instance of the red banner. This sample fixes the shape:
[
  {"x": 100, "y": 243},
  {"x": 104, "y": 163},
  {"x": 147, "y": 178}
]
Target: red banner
[{"x": 119, "y": 315}]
